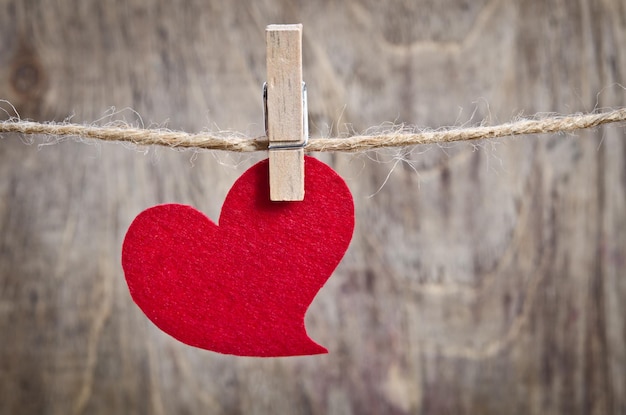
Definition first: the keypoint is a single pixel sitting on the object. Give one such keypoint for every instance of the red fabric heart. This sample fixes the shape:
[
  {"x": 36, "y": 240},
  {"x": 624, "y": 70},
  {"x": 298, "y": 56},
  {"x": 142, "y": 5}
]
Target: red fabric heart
[{"x": 244, "y": 286}]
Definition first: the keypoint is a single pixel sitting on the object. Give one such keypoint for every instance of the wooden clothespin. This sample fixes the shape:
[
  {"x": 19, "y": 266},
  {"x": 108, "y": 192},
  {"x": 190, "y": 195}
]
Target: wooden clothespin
[{"x": 286, "y": 118}]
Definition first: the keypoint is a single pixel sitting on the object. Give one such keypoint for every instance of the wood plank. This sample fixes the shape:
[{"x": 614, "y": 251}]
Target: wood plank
[{"x": 481, "y": 279}]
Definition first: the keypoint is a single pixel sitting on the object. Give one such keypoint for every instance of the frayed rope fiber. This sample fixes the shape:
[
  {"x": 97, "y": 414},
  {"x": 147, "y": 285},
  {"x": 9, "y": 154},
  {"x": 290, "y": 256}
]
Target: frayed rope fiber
[{"x": 394, "y": 138}]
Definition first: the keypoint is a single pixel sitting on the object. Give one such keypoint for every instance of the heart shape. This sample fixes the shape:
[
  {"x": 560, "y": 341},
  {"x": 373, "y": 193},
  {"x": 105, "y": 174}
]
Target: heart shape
[{"x": 242, "y": 287}]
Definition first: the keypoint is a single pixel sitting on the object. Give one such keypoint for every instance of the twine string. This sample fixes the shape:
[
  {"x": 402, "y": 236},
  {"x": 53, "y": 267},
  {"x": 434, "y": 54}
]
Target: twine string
[{"x": 237, "y": 143}]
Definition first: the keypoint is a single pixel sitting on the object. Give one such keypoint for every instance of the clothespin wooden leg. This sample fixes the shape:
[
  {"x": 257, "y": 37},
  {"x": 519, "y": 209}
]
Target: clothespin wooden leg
[{"x": 285, "y": 113}]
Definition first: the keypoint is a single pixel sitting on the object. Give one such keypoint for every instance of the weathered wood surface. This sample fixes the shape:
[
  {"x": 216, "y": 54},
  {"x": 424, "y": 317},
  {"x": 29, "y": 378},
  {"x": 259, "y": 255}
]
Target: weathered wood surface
[{"x": 481, "y": 279}]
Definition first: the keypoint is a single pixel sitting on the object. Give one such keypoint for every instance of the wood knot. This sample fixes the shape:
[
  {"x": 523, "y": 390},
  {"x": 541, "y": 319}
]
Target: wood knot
[
  {"x": 26, "y": 81},
  {"x": 27, "y": 77}
]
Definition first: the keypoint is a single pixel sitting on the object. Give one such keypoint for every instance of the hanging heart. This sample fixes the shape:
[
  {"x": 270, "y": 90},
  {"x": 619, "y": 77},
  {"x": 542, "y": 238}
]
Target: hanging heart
[{"x": 242, "y": 287}]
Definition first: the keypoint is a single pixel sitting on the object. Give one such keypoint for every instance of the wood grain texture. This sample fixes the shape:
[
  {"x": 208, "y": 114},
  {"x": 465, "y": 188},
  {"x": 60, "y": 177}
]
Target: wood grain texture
[
  {"x": 484, "y": 278},
  {"x": 285, "y": 111}
]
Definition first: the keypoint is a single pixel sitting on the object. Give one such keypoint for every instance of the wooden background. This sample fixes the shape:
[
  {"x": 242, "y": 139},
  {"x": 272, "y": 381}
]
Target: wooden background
[{"x": 482, "y": 278}]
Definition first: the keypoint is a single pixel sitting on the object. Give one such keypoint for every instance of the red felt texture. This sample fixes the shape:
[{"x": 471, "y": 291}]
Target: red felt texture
[{"x": 242, "y": 287}]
